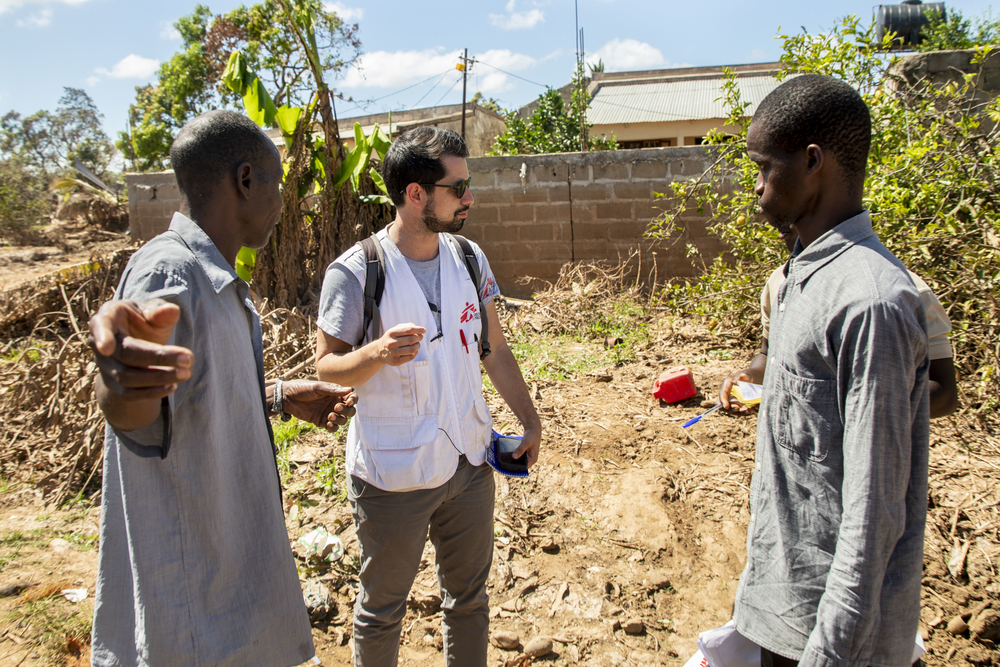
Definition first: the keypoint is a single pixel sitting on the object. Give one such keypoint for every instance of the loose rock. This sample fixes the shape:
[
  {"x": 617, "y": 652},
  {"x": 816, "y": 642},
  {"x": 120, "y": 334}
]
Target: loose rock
[
  {"x": 506, "y": 639},
  {"x": 977, "y": 656},
  {"x": 434, "y": 640},
  {"x": 319, "y": 602},
  {"x": 986, "y": 625},
  {"x": 538, "y": 647},
  {"x": 633, "y": 626},
  {"x": 957, "y": 626}
]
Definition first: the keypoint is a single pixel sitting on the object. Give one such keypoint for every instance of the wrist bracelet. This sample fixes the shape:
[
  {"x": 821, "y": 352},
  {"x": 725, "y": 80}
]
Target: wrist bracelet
[{"x": 277, "y": 404}]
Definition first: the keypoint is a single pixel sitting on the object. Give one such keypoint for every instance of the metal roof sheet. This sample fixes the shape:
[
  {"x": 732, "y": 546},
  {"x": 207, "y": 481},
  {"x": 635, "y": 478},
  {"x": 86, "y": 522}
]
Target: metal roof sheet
[{"x": 671, "y": 100}]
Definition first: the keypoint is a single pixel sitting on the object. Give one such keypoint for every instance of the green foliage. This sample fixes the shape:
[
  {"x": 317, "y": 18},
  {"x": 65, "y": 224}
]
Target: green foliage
[
  {"x": 486, "y": 102},
  {"x": 955, "y": 31},
  {"x": 931, "y": 188},
  {"x": 23, "y": 200},
  {"x": 552, "y": 128},
  {"x": 37, "y": 148},
  {"x": 47, "y": 143},
  {"x": 285, "y": 434},
  {"x": 194, "y": 79}
]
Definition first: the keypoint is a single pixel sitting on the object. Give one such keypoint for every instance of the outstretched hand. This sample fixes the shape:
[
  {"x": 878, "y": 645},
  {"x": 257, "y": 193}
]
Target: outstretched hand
[
  {"x": 129, "y": 340},
  {"x": 320, "y": 403}
]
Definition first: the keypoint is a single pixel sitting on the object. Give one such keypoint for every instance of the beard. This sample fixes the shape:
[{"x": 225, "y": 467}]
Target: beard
[{"x": 438, "y": 225}]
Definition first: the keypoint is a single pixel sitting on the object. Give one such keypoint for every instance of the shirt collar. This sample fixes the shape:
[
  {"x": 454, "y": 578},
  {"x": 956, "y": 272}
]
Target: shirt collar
[
  {"x": 824, "y": 249},
  {"x": 218, "y": 270}
]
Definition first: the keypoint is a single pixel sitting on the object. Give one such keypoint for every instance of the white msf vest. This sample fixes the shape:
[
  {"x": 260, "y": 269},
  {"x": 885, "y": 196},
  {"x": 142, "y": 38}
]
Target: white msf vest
[{"x": 413, "y": 421}]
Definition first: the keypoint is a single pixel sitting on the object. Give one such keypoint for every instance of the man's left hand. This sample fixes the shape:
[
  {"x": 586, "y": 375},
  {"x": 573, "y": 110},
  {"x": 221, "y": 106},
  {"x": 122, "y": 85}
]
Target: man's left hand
[
  {"x": 321, "y": 403},
  {"x": 530, "y": 444}
]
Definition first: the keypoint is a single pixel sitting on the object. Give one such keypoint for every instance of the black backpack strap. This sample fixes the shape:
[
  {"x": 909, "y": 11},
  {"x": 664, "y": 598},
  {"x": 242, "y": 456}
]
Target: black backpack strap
[
  {"x": 472, "y": 265},
  {"x": 374, "y": 286}
]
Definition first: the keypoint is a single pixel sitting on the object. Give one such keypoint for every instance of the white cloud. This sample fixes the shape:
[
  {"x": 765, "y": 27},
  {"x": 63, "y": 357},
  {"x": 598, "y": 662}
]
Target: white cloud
[
  {"x": 93, "y": 80},
  {"x": 129, "y": 67},
  {"x": 10, "y": 5},
  {"x": 517, "y": 20},
  {"x": 345, "y": 12},
  {"x": 37, "y": 20},
  {"x": 170, "y": 33},
  {"x": 397, "y": 69},
  {"x": 628, "y": 54}
]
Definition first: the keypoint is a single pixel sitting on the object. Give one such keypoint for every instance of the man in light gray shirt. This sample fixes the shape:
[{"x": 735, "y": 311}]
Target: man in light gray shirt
[
  {"x": 839, "y": 493},
  {"x": 195, "y": 566}
]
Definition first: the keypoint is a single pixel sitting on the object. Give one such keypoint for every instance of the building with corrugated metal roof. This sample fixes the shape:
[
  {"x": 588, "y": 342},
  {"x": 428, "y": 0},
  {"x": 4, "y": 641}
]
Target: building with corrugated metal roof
[{"x": 671, "y": 107}]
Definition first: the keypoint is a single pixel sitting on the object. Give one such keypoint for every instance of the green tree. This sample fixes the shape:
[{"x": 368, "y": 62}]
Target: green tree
[
  {"x": 552, "y": 128},
  {"x": 931, "y": 188},
  {"x": 191, "y": 82},
  {"x": 47, "y": 142},
  {"x": 954, "y": 31}
]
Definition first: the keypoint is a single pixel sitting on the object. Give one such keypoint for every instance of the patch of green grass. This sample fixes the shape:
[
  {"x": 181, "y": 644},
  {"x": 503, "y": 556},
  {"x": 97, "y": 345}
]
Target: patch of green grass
[
  {"x": 557, "y": 359},
  {"x": 57, "y": 619},
  {"x": 29, "y": 348},
  {"x": 330, "y": 476},
  {"x": 627, "y": 320},
  {"x": 285, "y": 434}
]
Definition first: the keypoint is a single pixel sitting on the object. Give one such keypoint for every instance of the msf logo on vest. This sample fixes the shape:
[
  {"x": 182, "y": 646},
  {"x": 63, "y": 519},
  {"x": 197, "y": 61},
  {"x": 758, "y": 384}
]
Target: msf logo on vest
[{"x": 470, "y": 313}]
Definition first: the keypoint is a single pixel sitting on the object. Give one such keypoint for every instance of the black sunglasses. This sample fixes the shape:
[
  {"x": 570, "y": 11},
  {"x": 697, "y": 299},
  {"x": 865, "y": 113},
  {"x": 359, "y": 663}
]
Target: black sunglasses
[{"x": 459, "y": 188}]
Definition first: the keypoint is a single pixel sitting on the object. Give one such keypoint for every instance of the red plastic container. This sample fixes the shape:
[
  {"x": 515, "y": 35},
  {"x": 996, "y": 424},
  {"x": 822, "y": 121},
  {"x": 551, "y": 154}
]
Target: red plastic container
[{"x": 675, "y": 384}]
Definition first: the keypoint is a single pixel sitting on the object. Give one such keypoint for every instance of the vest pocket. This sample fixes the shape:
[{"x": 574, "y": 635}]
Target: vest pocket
[
  {"x": 397, "y": 447},
  {"x": 422, "y": 386}
]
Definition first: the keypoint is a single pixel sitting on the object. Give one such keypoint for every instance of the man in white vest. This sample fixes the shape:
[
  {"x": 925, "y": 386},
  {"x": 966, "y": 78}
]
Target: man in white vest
[{"x": 416, "y": 450}]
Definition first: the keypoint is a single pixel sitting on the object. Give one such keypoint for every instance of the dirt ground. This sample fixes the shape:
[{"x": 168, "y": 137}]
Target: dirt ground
[{"x": 626, "y": 541}]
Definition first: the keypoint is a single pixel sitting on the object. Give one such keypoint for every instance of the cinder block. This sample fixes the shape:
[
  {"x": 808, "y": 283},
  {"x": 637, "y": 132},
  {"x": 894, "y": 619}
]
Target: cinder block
[
  {"x": 482, "y": 179},
  {"x": 591, "y": 192},
  {"x": 552, "y": 213},
  {"x": 940, "y": 61},
  {"x": 554, "y": 251},
  {"x": 610, "y": 172},
  {"x": 483, "y": 215},
  {"x": 510, "y": 177},
  {"x": 518, "y": 213},
  {"x": 590, "y": 231},
  {"x": 168, "y": 192},
  {"x": 614, "y": 211},
  {"x": 499, "y": 234},
  {"x": 632, "y": 190},
  {"x": 584, "y": 211},
  {"x": 544, "y": 174},
  {"x": 492, "y": 196},
  {"x": 536, "y": 232},
  {"x": 627, "y": 231},
  {"x": 534, "y": 194},
  {"x": 649, "y": 170},
  {"x": 591, "y": 250}
]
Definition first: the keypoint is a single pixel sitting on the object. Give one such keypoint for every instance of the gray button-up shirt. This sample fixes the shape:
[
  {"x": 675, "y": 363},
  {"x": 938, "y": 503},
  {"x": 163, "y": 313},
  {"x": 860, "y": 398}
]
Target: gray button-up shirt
[
  {"x": 195, "y": 566},
  {"x": 839, "y": 496}
]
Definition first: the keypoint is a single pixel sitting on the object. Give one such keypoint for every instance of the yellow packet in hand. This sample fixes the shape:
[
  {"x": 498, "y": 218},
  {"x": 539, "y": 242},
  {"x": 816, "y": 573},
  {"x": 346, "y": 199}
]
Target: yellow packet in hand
[{"x": 748, "y": 393}]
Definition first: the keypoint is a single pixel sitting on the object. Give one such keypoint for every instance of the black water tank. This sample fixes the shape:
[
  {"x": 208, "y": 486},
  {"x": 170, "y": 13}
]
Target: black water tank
[{"x": 906, "y": 20}]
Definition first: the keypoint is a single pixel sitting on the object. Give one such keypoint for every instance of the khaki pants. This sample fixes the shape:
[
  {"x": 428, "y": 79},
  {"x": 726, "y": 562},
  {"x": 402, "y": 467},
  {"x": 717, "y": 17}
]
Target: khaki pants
[{"x": 392, "y": 528}]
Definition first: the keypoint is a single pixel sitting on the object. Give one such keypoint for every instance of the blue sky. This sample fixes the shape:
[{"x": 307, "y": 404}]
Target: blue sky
[{"x": 107, "y": 47}]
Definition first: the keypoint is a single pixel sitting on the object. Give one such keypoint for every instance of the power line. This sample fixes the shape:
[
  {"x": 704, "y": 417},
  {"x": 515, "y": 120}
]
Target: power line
[
  {"x": 513, "y": 75},
  {"x": 429, "y": 91},
  {"x": 448, "y": 91},
  {"x": 362, "y": 103}
]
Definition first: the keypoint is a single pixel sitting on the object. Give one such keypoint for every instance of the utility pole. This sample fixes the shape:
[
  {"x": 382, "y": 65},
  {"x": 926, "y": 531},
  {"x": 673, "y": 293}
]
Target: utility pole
[{"x": 464, "y": 66}]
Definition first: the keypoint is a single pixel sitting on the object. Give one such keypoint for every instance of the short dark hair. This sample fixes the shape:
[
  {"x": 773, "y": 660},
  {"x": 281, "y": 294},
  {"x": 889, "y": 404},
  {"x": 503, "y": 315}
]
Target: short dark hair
[
  {"x": 211, "y": 146},
  {"x": 415, "y": 157},
  {"x": 821, "y": 110}
]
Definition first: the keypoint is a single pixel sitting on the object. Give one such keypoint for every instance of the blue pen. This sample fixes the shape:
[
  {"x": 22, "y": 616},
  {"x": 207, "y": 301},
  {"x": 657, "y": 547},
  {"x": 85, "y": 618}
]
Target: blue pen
[{"x": 691, "y": 422}]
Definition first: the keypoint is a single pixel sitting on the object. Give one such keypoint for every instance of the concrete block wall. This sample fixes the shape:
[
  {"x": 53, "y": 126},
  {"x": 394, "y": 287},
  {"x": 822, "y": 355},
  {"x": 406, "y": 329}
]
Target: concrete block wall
[
  {"x": 567, "y": 207},
  {"x": 582, "y": 207},
  {"x": 152, "y": 200}
]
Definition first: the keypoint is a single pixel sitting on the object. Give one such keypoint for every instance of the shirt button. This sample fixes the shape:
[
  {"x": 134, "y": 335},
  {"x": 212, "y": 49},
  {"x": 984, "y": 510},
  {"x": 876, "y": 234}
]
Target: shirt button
[
  {"x": 752, "y": 517},
  {"x": 781, "y": 308},
  {"x": 757, "y": 467}
]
